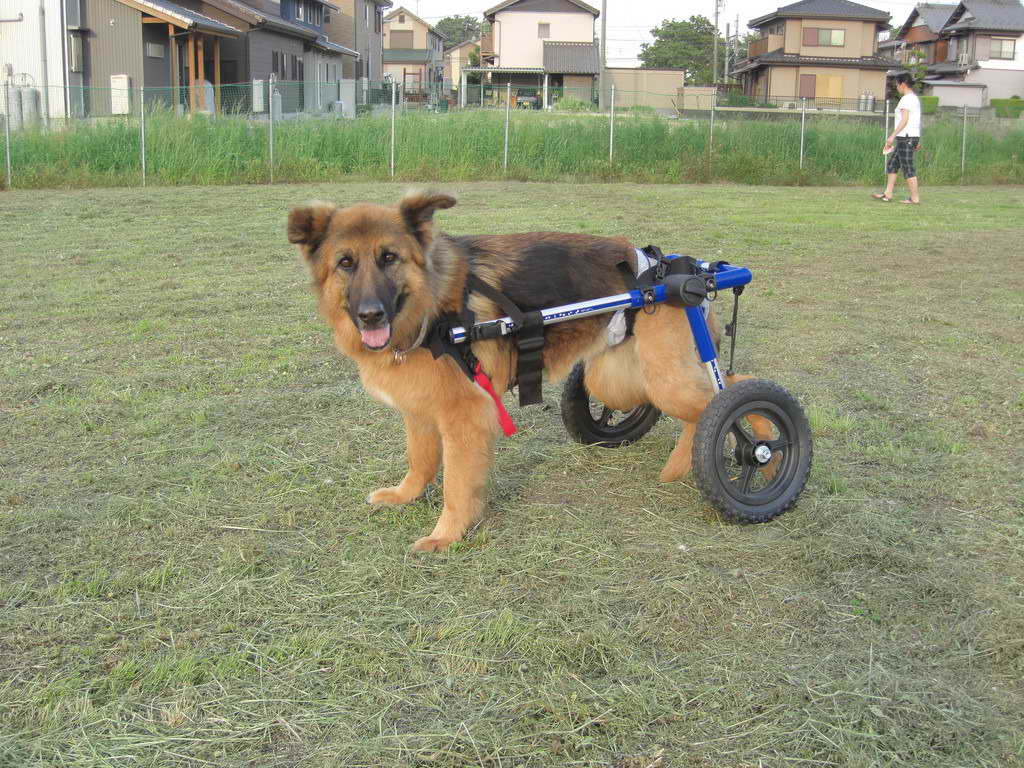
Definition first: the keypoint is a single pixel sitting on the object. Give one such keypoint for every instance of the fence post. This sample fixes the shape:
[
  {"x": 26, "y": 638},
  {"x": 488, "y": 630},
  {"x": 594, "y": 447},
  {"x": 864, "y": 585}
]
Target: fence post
[
  {"x": 270, "y": 105},
  {"x": 711, "y": 135},
  {"x": 508, "y": 112},
  {"x": 142, "y": 133},
  {"x": 803, "y": 120},
  {"x": 7, "y": 130},
  {"x": 394, "y": 96},
  {"x": 963, "y": 147},
  {"x": 885, "y": 135},
  {"x": 611, "y": 134}
]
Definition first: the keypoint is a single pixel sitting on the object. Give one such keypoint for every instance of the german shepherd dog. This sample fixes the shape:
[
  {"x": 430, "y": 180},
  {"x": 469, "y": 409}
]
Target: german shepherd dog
[{"x": 383, "y": 275}]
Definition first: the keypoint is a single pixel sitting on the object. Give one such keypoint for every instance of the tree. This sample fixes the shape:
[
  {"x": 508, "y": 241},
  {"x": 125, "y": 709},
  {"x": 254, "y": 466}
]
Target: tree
[
  {"x": 458, "y": 29},
  {"x": 685, "y": 44}
]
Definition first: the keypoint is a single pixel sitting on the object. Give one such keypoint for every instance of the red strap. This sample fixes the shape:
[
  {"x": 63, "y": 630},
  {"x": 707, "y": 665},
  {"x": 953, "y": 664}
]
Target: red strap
[{"x": 507, "y": 426}]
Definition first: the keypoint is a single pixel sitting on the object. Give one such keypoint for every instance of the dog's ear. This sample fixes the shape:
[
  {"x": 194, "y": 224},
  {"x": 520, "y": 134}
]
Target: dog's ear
[
  {"x": 417, "y": 211},
  {"x": 307, "y": 226}
]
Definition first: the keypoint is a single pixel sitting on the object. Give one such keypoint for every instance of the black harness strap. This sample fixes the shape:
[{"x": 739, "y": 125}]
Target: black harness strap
[{"x": 529, "y": 340}]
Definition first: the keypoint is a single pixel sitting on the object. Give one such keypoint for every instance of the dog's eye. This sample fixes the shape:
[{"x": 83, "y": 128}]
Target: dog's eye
[
  {"x": 389, "y": 257},
  {"x": 345, "y": 262}
]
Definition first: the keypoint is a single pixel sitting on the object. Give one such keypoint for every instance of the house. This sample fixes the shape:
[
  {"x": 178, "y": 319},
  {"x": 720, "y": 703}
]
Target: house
[
  {"x": 457, "y": 57},
  {"x": 825, "y": 51},
  {"x": 542, "y": 45},
  {"x": 287, "y": 39},
  {"x": 89, "y": 57},
  {"x": 973, "y": 55},
  {"x": 359, "y": 25},
  {"x": 413, "y": 52},
  {"x": 98, "y": 52}
]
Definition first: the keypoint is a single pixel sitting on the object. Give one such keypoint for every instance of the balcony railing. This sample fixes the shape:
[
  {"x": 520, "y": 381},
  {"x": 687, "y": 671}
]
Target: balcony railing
[{"x": 487, "y": 44}]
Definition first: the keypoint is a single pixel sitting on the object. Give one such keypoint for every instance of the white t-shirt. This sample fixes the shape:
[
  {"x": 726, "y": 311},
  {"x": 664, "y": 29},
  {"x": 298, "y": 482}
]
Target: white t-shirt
[{"x": 912, "y": 104}]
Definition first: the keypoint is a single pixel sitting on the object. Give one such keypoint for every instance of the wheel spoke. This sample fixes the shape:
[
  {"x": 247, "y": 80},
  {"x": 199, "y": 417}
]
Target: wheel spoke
[
  {"x": 606, "y": 415},
  {"x": 741, "y": 436},
  {"x": 778, "y": 445},
  {"x": 747, "y": 477}
]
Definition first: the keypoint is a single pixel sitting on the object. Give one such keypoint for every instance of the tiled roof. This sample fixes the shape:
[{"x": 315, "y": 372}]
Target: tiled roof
[
  {"x": 571, "y": 58},
  {"x": 406, "y": 55},
  {"x": 191, "y": 19},
  {"x": 995, "y": 15},
  {"x": 827, "y": 9},
  {"x": 502, "y": 6},
  {"x": 934, "y": 15},
  {"x": 793, "y": 59}
]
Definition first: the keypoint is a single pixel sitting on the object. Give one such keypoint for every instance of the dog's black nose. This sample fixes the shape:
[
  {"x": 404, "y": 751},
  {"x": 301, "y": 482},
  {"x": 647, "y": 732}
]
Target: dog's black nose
[{"x": 371, "y": 315}]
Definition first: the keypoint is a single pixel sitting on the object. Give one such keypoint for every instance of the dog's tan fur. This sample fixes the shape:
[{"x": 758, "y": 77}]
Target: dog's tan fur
[{"x": 449, "y": 420}]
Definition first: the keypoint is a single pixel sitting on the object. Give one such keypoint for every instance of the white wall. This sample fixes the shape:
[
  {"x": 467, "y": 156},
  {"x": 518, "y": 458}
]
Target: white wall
[
  {"x": 20, "y": 44},
  {"x": 516, "y": 41}
]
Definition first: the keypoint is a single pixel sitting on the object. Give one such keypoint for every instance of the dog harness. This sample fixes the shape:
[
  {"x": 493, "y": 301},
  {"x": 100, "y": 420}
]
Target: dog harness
[{"x": 651, "y": 268}]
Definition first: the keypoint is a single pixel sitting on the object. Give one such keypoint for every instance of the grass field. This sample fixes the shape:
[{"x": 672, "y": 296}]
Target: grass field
[
  {"x": 189, "y": 575},
  {"x": 469, "y": 146}
]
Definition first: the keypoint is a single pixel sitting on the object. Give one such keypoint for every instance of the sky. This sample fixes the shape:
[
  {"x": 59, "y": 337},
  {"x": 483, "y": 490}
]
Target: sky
[{"x": 630, "y": 21}]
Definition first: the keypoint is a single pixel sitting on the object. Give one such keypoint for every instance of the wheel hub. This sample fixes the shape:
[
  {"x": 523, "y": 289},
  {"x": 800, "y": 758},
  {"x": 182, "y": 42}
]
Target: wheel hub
[{"x": 763, "y": 454}]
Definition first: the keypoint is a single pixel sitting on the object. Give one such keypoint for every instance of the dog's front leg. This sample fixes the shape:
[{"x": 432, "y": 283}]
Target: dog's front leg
[
  {"x": 468, "y": 438},
  {"x": 424, "y": 454}
]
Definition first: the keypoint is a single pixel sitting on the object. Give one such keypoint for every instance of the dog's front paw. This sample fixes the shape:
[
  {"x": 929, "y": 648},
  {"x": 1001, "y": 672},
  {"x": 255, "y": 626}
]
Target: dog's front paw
[
  {"x": 431, "y": 544},
  {"x": 389, "y": 496},
  {"x": 673, "y": 471}
]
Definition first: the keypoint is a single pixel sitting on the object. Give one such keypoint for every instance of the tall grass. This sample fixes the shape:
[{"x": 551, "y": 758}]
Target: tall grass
[{"x": 468, "y": 146}]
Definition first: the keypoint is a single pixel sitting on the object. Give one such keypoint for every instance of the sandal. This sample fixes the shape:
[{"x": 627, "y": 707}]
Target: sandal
[
  {"x": 882, "y": 197},
  {"x": 908, "y": 201}
]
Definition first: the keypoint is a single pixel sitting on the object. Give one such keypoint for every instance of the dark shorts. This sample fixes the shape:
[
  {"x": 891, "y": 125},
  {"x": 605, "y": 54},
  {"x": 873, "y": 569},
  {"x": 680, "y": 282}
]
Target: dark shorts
[{"x": 902, "y": 157}]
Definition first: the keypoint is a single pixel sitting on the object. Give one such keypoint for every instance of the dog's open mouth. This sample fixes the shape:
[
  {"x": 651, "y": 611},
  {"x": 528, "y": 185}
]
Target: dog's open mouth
[{"x": 376, "y": 338}]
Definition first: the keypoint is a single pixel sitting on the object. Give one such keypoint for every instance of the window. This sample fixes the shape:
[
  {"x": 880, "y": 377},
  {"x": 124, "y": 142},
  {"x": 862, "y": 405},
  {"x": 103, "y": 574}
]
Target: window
[
  {"x": 815, "y": 37},
  {"x": 543, "y": 31},
  {"x": 1003, "y": 48},
  {"x": 155, "y": 50},
  {"x": 401, "y": 18},
  {"x": 300, "y": 11}
]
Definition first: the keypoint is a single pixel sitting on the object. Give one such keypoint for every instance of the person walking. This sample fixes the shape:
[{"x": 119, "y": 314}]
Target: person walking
[{"x": 903, "y": 142}]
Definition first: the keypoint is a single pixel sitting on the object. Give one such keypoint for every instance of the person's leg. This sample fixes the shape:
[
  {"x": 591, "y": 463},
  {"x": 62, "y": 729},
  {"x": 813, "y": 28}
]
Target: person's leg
[
  {"x": 912, "y": 186},
  {"x": 890, "y": 184}
]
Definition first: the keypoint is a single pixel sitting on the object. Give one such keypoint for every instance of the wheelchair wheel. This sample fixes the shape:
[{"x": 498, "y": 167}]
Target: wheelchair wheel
[
  {"x": 752, "y": 451},
  {"x": 592, "y": 423}
]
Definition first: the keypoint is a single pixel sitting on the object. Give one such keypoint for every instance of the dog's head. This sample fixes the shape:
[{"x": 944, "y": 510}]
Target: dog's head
[{"x": 369, "y": 262}]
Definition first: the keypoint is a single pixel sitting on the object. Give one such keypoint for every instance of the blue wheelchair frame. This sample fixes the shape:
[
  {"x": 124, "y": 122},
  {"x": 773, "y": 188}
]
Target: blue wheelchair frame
[{"x": 715, "y": 277}]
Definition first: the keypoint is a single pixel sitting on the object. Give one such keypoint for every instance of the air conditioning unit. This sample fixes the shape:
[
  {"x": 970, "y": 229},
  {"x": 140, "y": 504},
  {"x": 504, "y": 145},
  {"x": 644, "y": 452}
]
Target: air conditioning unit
[{"x": 789, "y": 105}]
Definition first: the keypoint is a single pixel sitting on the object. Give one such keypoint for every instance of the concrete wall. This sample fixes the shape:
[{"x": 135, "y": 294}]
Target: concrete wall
[
  {"x": 1002, "y": 83},
  {"x": 516, "y": 41},
  {"x": 645, "y": 87},
  {"x": 959, "y": 96}
]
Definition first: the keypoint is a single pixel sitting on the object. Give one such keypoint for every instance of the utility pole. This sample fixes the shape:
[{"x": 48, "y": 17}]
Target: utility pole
[
  {"x": 714, "y": 49},
  {"x": 728, "y": 43},
  {"x": 604, "y": 55}
]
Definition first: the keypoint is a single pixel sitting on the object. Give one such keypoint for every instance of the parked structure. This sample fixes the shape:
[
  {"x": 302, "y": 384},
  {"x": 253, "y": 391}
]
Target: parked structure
[
  {"x": 546, "y": 45},
  {"x": 413, "y": 52},
  {"x": 457, "y": 57},
  {"x": 974, "y": 50},
  {"x": 825, "y": 51}
]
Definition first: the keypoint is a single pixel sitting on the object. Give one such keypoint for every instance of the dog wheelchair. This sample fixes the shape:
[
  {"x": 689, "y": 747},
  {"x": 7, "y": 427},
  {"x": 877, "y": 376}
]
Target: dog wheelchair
[{"x": 752, "y": 447}]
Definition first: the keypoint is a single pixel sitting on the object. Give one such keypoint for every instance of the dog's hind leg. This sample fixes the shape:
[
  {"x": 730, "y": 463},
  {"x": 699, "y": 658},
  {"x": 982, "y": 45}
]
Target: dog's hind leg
[
  {"x": 424, "y": 454},
  {"x": 673, "y": 378},
  {"x": 468, "y": 431}
]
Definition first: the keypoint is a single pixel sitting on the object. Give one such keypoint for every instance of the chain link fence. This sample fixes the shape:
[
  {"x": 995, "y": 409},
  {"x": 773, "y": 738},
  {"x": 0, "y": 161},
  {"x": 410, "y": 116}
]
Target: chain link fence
[{"x": 270, "y": 130}]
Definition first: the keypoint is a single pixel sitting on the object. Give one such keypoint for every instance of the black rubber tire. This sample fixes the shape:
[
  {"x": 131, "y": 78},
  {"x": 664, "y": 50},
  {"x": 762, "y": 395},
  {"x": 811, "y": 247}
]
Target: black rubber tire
[
  {"x": 710, "y": 452},
  {"x": 584, "y": 428}
]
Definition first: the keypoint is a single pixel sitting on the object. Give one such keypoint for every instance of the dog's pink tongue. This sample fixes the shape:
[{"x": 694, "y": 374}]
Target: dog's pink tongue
[{"x": 376, "y": 338}]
